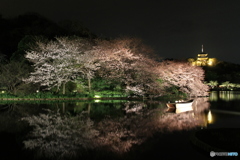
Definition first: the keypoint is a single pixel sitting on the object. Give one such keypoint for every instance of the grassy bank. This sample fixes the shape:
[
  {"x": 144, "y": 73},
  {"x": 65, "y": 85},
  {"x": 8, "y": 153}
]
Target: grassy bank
[{"x": 42, "y": 96}]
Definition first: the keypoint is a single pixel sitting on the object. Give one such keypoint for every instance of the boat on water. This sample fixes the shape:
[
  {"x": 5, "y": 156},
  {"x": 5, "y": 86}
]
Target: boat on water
[{"x": 180, "y": 106}]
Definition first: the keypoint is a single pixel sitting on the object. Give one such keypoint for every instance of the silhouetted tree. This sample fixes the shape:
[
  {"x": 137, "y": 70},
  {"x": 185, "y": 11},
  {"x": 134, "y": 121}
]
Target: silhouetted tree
[{"x": 12, "y": 73}]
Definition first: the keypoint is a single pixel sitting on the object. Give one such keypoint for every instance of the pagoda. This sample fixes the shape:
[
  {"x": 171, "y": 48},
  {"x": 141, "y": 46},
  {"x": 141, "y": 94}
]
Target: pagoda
[{"x": 202, "y": 60}]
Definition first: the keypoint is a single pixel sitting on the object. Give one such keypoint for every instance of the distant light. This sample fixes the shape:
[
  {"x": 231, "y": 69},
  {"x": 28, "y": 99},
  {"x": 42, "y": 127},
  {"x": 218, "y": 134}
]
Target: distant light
[
  {"x": 210, "y": 63},
  {"x": 37, "y": 91},
  {"x": 3, "y": 91}
]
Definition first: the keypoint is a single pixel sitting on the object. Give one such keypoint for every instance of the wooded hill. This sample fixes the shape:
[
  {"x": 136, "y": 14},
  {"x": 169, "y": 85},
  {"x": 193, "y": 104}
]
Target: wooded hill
[{"x": 13, "y": 30}]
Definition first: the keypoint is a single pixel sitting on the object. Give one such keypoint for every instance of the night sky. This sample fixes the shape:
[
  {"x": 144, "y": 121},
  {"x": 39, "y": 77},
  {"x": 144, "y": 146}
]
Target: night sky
[{"x": 173, "y": 28}]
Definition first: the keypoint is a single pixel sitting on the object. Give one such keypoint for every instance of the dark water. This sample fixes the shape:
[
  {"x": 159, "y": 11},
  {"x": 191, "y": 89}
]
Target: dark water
[
  {"x": 225, "y": 109},
  {"x": 108, "y": 129}
]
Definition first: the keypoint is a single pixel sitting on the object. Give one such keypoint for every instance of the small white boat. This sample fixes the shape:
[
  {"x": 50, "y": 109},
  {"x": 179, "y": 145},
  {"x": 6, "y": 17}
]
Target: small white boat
[{"x": 181, "y": 106}]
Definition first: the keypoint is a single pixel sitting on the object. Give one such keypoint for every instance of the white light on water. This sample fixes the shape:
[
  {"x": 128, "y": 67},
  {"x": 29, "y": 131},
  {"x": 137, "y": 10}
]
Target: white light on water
[
  {"x": 97, "y": 96},
  {"x": 209, "y": 117}
]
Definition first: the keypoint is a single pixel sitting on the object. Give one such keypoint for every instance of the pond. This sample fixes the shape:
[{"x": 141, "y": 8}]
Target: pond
[
  {"x": 98, "y": 129},
  {"x": 225, "y": 109}
]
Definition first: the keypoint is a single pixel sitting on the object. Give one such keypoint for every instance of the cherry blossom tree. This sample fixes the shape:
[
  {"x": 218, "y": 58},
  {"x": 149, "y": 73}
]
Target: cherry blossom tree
[
  {"x": 60, "y": 61},
  {"x": 126, "y": 60},
  {"x": 86, "y": 66},
  {"x": 188, "y": 78}
]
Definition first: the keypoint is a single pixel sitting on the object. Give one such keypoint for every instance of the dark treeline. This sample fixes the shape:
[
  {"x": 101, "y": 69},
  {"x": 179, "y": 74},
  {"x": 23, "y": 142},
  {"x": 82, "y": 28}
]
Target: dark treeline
[
  {"x": 222, "y": 72},
  {"x": 21, "y": 28}
]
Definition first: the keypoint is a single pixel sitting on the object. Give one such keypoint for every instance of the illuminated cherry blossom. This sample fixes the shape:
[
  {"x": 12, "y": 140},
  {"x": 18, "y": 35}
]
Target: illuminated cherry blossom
[
  {"x": 60, "y": 61},
  {"x": 126, "y": 61},
  {"x": 188, "y": 78}
]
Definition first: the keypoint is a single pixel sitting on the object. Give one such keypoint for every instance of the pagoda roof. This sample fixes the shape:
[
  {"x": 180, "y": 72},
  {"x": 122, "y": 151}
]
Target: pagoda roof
[{"x": 202, "y": 53}]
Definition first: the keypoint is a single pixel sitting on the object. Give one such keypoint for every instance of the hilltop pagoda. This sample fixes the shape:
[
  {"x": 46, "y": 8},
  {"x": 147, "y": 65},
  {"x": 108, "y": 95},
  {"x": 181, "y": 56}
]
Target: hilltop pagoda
[{"x": 202, "y": 60}]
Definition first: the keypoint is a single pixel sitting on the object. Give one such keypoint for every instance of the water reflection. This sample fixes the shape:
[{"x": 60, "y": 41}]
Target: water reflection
[
  {"x": 224, "y": 95},
  {"x": 62, "y": 136},
  {"x": 209, "y": 117},
  {"x": 225, "y": 101}
]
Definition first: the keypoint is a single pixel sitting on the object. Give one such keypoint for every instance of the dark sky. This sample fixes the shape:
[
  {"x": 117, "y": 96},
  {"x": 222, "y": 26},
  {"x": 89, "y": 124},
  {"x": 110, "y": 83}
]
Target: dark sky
[{"x": 174, "y": 28}]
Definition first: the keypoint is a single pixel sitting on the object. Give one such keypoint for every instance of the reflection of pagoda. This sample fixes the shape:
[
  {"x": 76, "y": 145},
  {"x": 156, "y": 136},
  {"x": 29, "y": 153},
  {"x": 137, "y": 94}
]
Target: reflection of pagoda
[{"x": 203, "y": 60}]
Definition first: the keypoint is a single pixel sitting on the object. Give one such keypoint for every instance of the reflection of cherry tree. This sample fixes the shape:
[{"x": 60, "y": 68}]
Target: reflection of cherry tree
[
  {"x": 201, "y": 104},
  {"x": 119, "y": 135},
  {"x": 136, "y": 107},
  {"x": 65, "y": 136},
  {"x": 61, "y": 136},
  {"x": 115, "y": 136}
]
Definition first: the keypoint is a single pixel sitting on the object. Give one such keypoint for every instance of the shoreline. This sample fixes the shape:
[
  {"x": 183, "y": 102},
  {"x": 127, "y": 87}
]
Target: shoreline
[{"x": 49, "y": 99}]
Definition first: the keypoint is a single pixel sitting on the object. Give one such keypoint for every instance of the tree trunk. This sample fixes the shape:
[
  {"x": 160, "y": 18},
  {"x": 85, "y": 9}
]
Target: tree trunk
[
  {"x": 14, "y": 90},
  {"x": 57, "y": 90},
  {"x": 89, "y": 85},
  {"x": 64, "y": 88}
]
